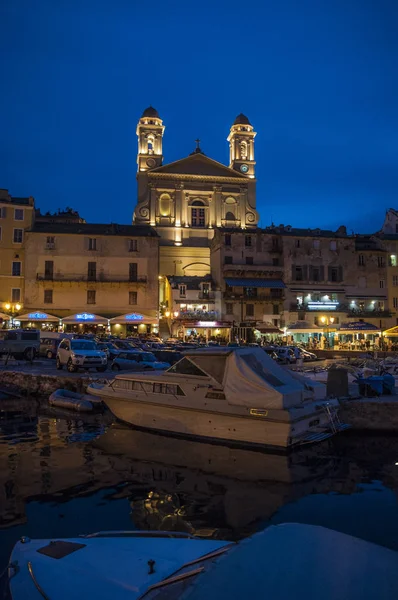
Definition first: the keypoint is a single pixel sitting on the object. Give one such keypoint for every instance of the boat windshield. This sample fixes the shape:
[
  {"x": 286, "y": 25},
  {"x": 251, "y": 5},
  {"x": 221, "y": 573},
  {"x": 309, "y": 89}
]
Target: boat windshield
[
  {"x": 186, "y": 367},
  {"x": 83, "y": 345}
]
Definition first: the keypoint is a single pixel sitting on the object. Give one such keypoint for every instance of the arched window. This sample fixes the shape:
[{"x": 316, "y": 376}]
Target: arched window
[
  {"x": 165, "y": 205},
  {"x": 151, "y": 143},
  {"x": 198, "y": 215},
  {"x": 230, "y": 216}
]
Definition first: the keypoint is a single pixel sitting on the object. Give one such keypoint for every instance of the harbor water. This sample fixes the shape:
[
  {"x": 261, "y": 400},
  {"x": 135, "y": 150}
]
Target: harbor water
[{"x": 63, "y": 474}]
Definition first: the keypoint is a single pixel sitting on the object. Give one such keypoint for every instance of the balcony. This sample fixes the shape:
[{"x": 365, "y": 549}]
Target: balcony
[
  {"x": 331, "y": 306},
  {"x": 100, "y": 278},
  {"x": 206, "y": 296},
  {"x": 199, "y": 315},
  {"x": 371, "y": 313},
  {"x": 250, "y": 297},
  {"x": 263, "y": 268}
]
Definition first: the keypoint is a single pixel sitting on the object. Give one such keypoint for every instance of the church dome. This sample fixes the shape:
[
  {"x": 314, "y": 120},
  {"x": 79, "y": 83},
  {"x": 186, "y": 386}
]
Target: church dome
[
  {"x": 242, "y": 120},
  {"x": 150, "y": 112}
]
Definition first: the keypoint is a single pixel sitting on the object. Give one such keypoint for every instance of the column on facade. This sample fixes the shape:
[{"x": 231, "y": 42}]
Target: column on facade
[
  {"x": 180, "y": 205},
  {"x": 217, "y": 206},
  {"x": 152, "y": 205}
]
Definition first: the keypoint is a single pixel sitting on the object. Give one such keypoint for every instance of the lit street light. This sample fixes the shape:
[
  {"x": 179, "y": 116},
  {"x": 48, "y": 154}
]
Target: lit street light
[{"x": 12, "y": 309}]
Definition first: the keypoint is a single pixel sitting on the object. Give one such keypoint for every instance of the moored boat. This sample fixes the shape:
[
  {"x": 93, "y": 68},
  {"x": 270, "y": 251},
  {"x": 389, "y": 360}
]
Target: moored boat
[
  {"x": 290, "y": 560},
  {"x": 62, "y": 398},
  {"x": 229, "y": 394}
]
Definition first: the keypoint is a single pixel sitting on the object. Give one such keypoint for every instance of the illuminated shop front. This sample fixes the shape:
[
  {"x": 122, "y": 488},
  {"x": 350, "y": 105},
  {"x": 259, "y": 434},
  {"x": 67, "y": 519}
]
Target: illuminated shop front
[
  {"x": 40, "y": 320},
  {"x": 218, "y": 331},
  {"x": 134, "y": 324},
  {"x": 85, "y": 323}
]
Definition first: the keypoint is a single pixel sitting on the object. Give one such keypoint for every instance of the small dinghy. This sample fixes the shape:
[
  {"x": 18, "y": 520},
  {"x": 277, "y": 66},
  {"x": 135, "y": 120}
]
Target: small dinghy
[
  {"x": 290, "y": 560},
  {"x": 73, "y": 401}
]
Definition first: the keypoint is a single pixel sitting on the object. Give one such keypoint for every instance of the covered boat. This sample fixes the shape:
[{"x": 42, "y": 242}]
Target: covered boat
[
  {"x": 284, "y": 561},
  {"x": 229, "y": 394}
]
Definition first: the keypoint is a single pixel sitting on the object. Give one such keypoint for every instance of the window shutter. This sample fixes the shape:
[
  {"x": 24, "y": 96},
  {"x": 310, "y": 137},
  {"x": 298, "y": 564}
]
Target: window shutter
[
  {"x": 321, "y": 273},
  {"x": 305, "y": 271}
]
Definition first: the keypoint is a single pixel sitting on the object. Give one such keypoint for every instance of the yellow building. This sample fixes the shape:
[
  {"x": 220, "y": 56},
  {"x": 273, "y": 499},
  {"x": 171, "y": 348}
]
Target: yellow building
[
  {"x": 16, "y": 215},
  {"x": 185, "y": 200},
  {"x": 105, "y": 271}
]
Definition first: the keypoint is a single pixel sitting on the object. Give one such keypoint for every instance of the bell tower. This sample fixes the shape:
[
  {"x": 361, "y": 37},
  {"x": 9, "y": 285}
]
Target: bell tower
[
  {"x": 241, "y": 146},
  {"x": 150, "y": 131}
]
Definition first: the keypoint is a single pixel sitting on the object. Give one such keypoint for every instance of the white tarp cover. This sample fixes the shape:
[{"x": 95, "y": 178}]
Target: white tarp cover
[{"x": 254, "y": 379}]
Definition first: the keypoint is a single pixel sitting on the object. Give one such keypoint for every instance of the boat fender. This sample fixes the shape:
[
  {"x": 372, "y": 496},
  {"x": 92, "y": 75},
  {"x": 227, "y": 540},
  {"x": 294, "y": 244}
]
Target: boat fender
[{"x": 151, "y": 564}]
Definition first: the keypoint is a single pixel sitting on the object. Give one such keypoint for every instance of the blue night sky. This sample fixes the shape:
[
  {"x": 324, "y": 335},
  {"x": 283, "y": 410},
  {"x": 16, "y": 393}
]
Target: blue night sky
[{"x": 318, "y": 80}]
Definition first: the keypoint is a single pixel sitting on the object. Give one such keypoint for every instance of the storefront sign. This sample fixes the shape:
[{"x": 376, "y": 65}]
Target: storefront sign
[
  {"x": 85, "y": 317},
  {"x": 322, "y": 305},
  {"x": 39, "y": 316},
  {"x": 207, "y": 323},
  {"x": 134, "y": 317}
]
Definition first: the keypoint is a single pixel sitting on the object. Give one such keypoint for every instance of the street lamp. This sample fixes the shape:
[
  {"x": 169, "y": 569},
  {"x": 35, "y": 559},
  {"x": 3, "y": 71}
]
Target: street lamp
[
  {"x": 12, "y": 309},
  {"x": 328, "y": 321}
]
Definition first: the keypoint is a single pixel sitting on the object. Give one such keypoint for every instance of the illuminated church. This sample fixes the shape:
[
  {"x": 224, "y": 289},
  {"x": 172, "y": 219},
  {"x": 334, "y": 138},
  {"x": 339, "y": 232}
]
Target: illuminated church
[{"x": 186, "y": 199}]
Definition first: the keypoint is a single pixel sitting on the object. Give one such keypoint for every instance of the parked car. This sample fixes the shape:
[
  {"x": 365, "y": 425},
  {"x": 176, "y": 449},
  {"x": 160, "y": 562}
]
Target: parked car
[
  {"x": 49, "y": 347},
  {"x": 20, "y": 343},
  {"x": 138, "y": 361},
  {"x": 168, "y": 356},
  {"x": 286, "y": 355},
  {"x": 80, "y": 354},
  {"x": 104, "y": 348}
]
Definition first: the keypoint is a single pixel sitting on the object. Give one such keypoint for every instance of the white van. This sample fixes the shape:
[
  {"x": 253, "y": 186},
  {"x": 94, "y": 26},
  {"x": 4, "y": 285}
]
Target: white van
[{"x": 20, "y": 343}]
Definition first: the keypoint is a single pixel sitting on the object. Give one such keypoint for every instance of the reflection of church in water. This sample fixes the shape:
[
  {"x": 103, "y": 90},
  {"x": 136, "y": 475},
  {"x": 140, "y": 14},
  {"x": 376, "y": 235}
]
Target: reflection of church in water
[{"x": 186, "y": 199}]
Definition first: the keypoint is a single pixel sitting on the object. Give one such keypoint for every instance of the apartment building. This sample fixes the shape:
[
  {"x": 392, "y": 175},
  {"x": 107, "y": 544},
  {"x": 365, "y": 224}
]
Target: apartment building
[
  {"x": 16, "y": 215},
  {"x": 93, "y": 269}
]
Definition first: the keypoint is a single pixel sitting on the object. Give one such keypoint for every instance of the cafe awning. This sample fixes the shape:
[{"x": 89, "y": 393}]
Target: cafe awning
[
  {"x": 85, "y": 318},
  {"x": 4, "y": 317},
  {"x": 358, "y": 327},
  {"x": 269, "y": 328},
  {"x": 134, "y": 319},
  {"x": 303, "y": 327},
  {"x": 38, "y": 316},
  {"x": 391, "y": 332}
]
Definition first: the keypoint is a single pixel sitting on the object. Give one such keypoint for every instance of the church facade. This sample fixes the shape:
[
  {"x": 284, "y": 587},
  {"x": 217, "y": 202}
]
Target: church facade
[{"x": 187, "y": 199}]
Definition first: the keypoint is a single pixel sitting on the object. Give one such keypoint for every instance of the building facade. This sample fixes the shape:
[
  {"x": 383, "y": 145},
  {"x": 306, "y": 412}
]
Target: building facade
[
  {"x": 16, "y": 215},
  {"x": 106, "y": 270},
  {"x": 193, "y": 308},
  {"x": 187, "y": 199}
]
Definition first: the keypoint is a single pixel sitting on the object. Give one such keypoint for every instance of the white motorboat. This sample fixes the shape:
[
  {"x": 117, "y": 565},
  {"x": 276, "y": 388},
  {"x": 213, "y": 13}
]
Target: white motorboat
[
  {"x": 230, "y": 394},
  {"x": 284, "y": 561}
]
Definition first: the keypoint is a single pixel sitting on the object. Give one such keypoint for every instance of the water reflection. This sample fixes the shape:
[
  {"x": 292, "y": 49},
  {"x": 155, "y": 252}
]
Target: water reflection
[{"x": 63, "y": 475}]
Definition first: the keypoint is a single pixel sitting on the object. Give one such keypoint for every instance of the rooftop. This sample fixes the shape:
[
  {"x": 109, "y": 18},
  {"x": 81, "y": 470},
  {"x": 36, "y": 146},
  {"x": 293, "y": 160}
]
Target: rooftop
[
  {"x": 191, "y": 281},
  {"x": 96, "y": 229},
  {"x": 6, "y": 198}
]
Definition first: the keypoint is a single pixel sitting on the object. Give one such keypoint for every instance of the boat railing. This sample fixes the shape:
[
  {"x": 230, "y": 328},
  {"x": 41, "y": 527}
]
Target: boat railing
[
  {"x": 152, "y": 534},
  {"x": 37, "y": 585}
]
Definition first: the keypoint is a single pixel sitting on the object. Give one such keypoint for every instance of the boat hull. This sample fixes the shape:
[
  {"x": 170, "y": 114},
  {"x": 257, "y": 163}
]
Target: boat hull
[{"x": 214, "y": 426}]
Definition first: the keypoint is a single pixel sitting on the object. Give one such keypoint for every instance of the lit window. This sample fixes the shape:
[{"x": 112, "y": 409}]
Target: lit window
[{"x": 393, "y": 260}]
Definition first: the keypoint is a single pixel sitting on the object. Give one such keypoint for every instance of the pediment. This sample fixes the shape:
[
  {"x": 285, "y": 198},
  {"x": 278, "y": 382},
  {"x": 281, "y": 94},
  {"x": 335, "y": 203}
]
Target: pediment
[{"x": 198, "y": 164}]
